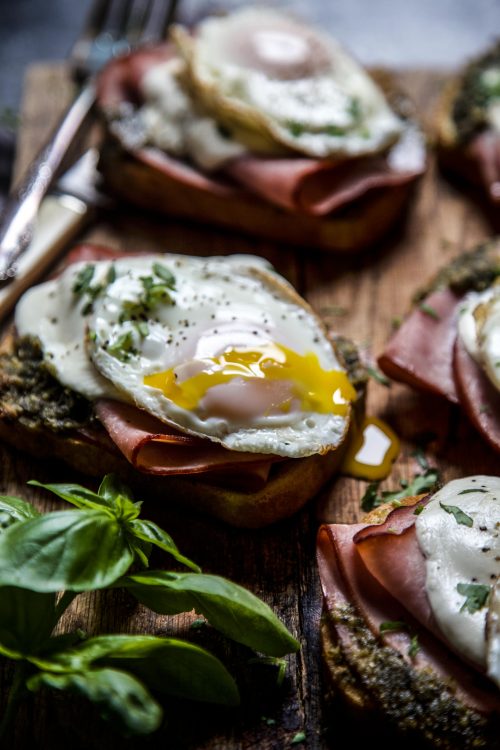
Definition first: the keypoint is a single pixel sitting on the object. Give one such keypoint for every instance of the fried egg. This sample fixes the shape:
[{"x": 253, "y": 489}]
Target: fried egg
[
  {"x": 458, "y": 533},
  {"x": 272, "y": 80},
  {"x": 222, "y": 348}
]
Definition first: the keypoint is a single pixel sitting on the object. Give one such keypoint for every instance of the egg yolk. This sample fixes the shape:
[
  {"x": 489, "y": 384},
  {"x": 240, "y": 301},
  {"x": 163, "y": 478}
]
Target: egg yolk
[{"x": 317, "y": 390}]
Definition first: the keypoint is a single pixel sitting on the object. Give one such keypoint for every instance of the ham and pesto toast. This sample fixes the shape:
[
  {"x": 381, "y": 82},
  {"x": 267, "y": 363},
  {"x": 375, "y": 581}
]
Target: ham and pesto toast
[
  {"x": 468, "y": 123},
  {"x": 449, "y": 343},
  {"x": 207, "y": 380},
  {"x": 258, "y": 123},
  {"x": 411, "y": 621}
]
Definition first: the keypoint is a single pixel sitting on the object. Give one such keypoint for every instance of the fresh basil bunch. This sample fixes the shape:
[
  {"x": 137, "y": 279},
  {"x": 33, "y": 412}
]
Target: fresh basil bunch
[{"x": 46, "y": 559}]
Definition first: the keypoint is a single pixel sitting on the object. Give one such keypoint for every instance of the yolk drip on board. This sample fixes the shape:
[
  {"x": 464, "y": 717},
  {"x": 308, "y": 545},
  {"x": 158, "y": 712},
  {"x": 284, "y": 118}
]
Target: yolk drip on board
[{"x": 372, "y": 450}]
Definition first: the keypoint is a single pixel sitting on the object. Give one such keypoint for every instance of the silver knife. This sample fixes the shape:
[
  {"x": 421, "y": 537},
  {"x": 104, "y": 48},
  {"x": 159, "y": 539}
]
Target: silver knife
[{"x": 63, "y": 213}]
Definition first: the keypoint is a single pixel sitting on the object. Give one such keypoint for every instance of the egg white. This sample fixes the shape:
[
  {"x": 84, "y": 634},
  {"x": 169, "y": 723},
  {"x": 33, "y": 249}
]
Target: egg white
[{"x": 457, "y": 553}]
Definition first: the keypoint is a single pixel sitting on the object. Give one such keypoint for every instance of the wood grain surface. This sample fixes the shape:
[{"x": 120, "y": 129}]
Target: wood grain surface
[{"x": 359, "y": 296}]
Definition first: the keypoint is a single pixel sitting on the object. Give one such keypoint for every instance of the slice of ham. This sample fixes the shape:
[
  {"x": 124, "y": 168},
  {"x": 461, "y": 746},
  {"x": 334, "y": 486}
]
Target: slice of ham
[
  {"x": 346, "y": 580},
  {"x": 478, "y": 395},
  {"x": 153, "y": 447},
  {"x": 311, "y": 186},
  {"x": 421, "y": 351}
]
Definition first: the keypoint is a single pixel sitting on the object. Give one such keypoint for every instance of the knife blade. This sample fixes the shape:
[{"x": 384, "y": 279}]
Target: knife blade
[{"x": 64, "y": 212}]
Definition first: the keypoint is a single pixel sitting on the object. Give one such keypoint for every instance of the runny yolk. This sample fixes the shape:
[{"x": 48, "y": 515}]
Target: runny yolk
[{"x": 317, "y": 390}]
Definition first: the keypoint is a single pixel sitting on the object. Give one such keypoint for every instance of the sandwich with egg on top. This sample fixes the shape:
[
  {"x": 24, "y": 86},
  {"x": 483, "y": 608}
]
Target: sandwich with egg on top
[
  {"x": 256, "y": 122},
  {"x": 449, "y": 343},
  {"x": 208, "y": 381},
  {"x": 468, "y": 123},
  {"x": 411, "y": 622}
]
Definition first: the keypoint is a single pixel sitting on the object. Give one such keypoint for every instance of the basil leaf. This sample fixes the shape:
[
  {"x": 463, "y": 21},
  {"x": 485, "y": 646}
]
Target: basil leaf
[
  {"x": 166, "y": 664},
  {"x": 476, "y": 596},
  {"x": 120, "y": 696},
  {"x": 164, "y": 274},
  {"x": 64, "y": 550},
  {"x": 75, "y": 494},
  {"x": 148, "y": 531},
  {"x": 230, "y": 608},
  {"x": 111, "y": 487},
  {"x": 13, "y": 510},
  {"x": 459, "y": 515},
  {"x": 27, "y": 619}
]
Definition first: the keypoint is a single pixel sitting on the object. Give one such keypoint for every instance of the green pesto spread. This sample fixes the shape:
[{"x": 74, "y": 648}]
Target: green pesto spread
[
  {"x": 473, "y": 271},
  {"x": 480, "y": 86},
  {"x": 415, "y": 701},
  {"x": 33, "y": 397}
]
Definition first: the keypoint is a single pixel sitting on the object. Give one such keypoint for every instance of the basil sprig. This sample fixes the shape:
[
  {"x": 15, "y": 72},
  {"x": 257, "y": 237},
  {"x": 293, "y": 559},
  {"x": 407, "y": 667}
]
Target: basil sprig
[{"x": 46, "y": 559}]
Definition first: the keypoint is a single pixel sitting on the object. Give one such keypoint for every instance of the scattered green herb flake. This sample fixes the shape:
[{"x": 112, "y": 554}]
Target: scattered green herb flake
[
  {"x": 396, "y": 322},
  {"x": 472, "y": 489},
  {"x": 430, "y": 311},
  {"x": 92, "y": 335},
  {"x": 335, "y": 130},
  {"x": 295, "y": 128},
  {"x": 414, "y": 647},
  {"x": 83, "y": 279},
  {"x": 164, "y": 274},
  {"x": 485, "y": 409},
  {"x": 111, "y": 276},
  {"x": 419, "y": 455},
  {"x": 198, "y": 623},
  {"x": 460, "y": 517},
  {"x": 375, "y": 373},
  {"x": 355, "y": 109},
  {"x": 419, "y": 484},
  {"x": 143, "y": 328},
  {"x": 418, "y": 510},
  {"x": 476, "y": 596},
  {"x": 123, "y": 348},
  {"x": 392, "y": 626},
  {"x": 298, "y": 738}
]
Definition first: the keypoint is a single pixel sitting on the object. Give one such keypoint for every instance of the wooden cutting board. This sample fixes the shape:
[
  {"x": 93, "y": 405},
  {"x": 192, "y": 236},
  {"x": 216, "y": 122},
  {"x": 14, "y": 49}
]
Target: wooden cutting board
[{"x": 359, "y": 296}]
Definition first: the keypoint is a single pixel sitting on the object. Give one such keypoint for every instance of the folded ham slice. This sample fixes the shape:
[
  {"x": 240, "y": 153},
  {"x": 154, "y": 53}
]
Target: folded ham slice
[
  {"x": 421, "y": 351},
  {"x": 153, "y": 447}
]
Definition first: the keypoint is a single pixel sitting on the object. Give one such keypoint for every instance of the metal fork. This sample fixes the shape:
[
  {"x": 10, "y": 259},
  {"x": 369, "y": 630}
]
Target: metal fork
[{"x": 113, "y": 27}]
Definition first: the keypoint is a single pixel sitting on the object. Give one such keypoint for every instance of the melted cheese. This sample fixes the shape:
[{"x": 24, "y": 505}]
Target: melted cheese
[{"x": 458, "y": 554}]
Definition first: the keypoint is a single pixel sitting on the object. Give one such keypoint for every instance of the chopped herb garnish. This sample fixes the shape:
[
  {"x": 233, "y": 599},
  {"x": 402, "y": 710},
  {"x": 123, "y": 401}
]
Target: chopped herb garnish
[
  {"x": 334, "y": 130},
  {"x": 83, "y": 279},
  {"x": 485, "y": 409},
  {"x": 164, "y": 274},
  {"x": 428, "y": 310},
  {"x": 396, "y": 322},
  {"x": 460, "y": 517},
  {"x": 374, "y": 373},
  {"x": 472, "y": 489},
  {"x": 198, "y": 623},
  {"x": 92, "y": 335},
  {"x": 123, "y": 348},
  {"x": 295, "y": 128},
  {"x": 476, "y": 596},
  {"x": 418, "y": 510},
  {"x": 414, "y": 647},
  {"x": 419, "y": 455},
  {"x": 111, "y": 276},
  {"x": 419, "y": 484},
  {"x": 298, "y": 738},
  {"x": 143, "y": 328},
  {"x": 392, "y": 625}
]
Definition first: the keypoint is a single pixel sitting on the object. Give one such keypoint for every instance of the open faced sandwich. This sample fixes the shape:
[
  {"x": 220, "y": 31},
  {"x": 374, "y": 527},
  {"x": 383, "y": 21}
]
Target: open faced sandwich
[
  {"x": 411, "y": 622},
  {"x": 468, "y": 123},
  {"x": 208, "y": 380},
  {"x": 256, "y": 122},
  {"x": 450, "y": 342}
]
